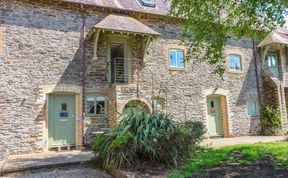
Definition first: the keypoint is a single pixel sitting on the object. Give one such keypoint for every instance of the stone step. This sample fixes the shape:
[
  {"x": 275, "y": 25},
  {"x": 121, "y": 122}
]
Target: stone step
[{"x": 23, "y": 162}]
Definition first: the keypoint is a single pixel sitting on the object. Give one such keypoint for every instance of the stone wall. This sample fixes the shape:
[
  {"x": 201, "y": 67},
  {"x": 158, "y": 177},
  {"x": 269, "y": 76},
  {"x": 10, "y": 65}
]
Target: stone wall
[
  {"x": 270, "y": 92},
  {"x": 42, "y": 47}
]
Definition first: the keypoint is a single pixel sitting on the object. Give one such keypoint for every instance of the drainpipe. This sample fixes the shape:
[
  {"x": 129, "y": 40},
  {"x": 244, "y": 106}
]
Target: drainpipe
[
  {"x": 257, "y": 82},
  {"x": 83, "y": 68}
]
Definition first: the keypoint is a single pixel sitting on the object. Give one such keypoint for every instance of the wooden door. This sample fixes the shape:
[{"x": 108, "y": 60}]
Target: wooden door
[
  {"x": 61, "y": 125},
  {"x": 214, "y": 116}
]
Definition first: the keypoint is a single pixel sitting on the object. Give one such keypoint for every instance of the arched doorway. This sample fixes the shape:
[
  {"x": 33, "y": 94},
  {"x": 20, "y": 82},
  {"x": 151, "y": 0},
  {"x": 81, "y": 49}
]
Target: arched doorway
[{"x": 135, "y": 106}]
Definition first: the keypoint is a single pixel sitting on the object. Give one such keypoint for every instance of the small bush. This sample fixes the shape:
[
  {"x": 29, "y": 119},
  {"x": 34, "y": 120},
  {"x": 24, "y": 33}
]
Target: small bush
[
  {"x": 271, "y": 120},
  {"x": 140, "y": 136}
]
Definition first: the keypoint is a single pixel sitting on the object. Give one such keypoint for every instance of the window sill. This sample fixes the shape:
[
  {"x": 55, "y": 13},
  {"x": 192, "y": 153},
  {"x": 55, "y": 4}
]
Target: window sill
[
  {"x": 235, "y": 72},
  {"x": 97, "y": 116},
  {"x": 176, "y": 69},
  {"x": 124, "y": 84},
  {"x": 254, "y": 117}
]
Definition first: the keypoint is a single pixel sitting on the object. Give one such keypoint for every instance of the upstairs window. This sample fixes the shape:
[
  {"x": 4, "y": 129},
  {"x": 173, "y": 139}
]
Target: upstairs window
[
  {"x": 235, "y": 62},
  {"x": 176, "y": 58},
  {"x": 272, "y": 63},
  {"x": 148, "y": 3},
  {"x": 272, "y": 60},
  {"x": 95, "y": 105}
]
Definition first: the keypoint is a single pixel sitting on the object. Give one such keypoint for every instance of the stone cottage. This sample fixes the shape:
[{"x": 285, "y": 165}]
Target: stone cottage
[{"x": 68, "y": 68}]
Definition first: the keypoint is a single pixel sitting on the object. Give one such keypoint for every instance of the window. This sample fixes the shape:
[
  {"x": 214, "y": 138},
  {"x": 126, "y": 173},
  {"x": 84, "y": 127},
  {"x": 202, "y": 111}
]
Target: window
[
  {"x": 272, "y": 60},
  {"x": 252, "y": 107},
  {"x": 64, "y": 106},
  {"x": 149, "y": 3},
  {"x": 212, "y": 104},
  {"x": 159, "y": 103},
  {"x": 95, "y": 105},
  {"x": 272, "y": 64},
  {"x": 176, "y": 58},
  {"x": 235, "y": 62}
]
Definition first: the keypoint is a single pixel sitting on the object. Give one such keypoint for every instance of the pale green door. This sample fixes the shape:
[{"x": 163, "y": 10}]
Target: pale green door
[
  {"x": 214, "y": 116},
  {"x": 61, "y": 125}
]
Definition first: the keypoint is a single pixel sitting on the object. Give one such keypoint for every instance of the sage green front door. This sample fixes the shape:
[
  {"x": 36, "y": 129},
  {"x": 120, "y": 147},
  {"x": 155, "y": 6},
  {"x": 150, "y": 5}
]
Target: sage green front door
[
  {"x": 214, "y": 116},
  {"x": 61, "y": 125}
]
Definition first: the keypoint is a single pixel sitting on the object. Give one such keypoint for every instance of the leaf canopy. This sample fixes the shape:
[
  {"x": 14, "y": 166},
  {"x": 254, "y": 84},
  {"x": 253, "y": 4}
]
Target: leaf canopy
[{"x": 210, "y": 24}]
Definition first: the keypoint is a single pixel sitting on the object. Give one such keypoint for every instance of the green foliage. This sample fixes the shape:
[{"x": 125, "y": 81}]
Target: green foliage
[
  {"x": 211, "y": 24},
  {"x": 98, "y": 142},
  {"x": 121, "y": 140},
  {"x": 140, "y": 136},
  {"x": 250, "y": 152},
  {"x": 271, "y": 120}
]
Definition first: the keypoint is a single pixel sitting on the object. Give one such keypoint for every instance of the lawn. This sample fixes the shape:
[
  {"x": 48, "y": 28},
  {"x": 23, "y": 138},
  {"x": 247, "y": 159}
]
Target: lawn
[{"x": 241, "y": 155}]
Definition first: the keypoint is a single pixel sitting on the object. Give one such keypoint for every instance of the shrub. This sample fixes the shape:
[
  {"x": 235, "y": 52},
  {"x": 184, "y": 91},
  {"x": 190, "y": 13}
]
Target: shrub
[
  {"x": 271, "y": 120},
  {"x": 140, "y": 136}
]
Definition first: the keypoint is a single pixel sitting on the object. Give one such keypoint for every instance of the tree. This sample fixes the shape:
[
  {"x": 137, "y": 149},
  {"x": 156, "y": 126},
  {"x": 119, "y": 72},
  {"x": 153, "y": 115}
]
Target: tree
[{"x": 210, "y": 24}]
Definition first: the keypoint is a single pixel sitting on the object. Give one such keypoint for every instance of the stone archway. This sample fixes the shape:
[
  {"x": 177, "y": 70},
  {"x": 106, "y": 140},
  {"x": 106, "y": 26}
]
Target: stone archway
[{"x": 134, "y": 106}]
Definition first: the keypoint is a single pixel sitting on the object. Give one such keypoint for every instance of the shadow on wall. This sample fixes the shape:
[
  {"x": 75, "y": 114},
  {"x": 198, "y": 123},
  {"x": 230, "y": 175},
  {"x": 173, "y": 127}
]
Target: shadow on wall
[{"x": 249, "y": 86}]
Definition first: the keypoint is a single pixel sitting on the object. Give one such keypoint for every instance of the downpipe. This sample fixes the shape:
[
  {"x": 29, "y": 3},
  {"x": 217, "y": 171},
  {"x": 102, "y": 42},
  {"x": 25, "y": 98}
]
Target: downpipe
[
  {"x": 257, "y": 82},
  {"x": 84, "y": 46}
]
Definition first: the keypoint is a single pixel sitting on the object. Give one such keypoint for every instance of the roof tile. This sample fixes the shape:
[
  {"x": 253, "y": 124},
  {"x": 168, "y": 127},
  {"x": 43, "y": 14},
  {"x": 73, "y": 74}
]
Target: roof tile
[
  {"x": 162, "y": 6},
  {"x": 118, "y": 22}
]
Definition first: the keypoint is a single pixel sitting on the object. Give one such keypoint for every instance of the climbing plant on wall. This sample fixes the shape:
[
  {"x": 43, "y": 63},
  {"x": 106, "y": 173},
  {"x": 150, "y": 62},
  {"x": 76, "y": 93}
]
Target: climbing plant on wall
[{"x": 271, "y": 120}]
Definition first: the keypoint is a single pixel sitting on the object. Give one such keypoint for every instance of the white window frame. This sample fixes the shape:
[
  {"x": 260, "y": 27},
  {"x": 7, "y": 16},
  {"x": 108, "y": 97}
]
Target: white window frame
[{"x": 176, "y": 66}]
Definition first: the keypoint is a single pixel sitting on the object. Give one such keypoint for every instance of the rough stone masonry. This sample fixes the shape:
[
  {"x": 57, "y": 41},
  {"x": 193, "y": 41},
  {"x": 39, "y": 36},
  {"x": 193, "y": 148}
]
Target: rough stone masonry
[{"x": 42, "y": 53}]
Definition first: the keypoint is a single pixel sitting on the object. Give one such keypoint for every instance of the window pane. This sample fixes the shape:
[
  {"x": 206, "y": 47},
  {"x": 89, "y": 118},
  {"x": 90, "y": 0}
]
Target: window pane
[
  {"x": 64, "y": 106},
  {"x": 269, "y": 62},
  {"x": 90, "y": 105},
  {"x": 212, "y": 104},
  {"x": 173, "y": 62},
  {"x": 100, "y": 109},
  {"x": 272, "y": 59},
  {"x": 100, "y": 98},
  {"x": 252, "y": 107},
  {"x": 232, "y": 63},
  {"x": 180, "y": 59},
  {"x": 235, "y": 62}
]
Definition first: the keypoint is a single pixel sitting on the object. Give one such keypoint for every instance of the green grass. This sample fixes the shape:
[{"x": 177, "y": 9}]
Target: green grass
[{"x": 249, "y": 153}]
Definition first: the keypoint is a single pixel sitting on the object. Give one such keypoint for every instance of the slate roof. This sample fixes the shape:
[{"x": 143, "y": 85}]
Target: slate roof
[
  {"x": 279, "y": 36},
  {"x": 162, "y": 6},
  {"x": 124, "y": 23}
]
